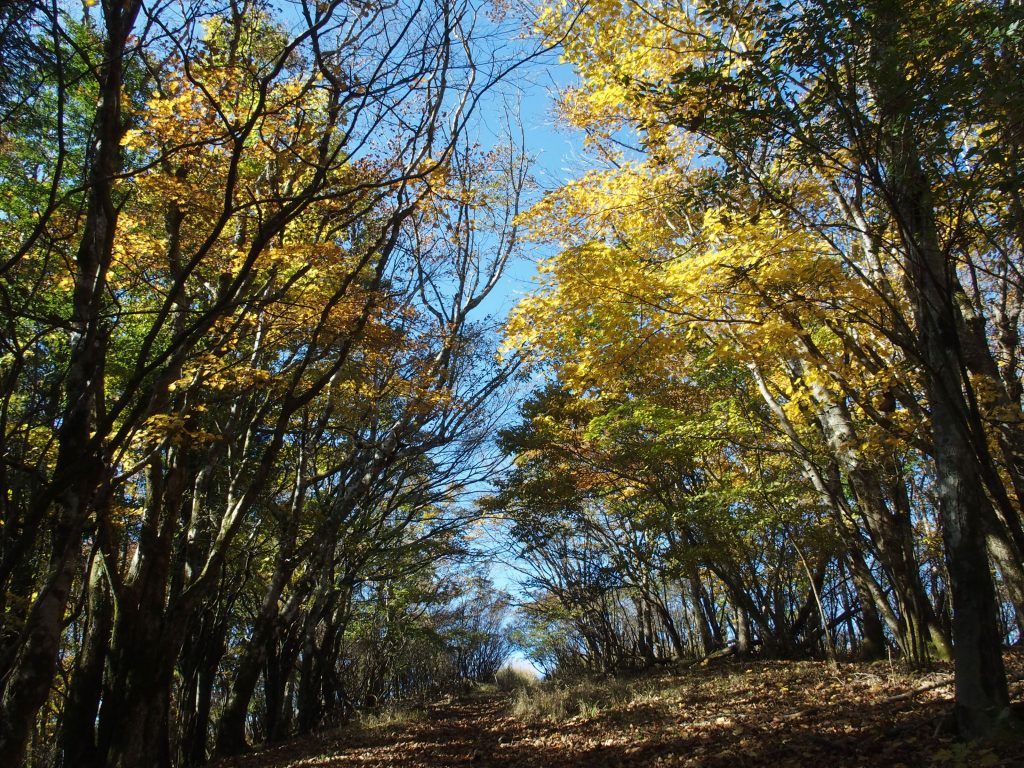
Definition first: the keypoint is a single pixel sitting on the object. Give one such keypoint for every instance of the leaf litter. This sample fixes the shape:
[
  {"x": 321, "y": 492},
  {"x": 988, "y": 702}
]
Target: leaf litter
[{"x": 742, "y": 714}]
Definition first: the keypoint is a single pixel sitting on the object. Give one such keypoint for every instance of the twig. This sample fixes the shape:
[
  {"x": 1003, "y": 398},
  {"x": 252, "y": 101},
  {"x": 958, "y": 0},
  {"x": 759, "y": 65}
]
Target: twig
[
  {"x": 721, "y": 653},
  {"x": 920, "y": 689}
]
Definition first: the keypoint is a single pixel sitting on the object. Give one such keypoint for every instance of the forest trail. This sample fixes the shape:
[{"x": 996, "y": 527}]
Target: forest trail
[
  {"x": 739, "y": 715},
  {"x": 470, "y": 731}
]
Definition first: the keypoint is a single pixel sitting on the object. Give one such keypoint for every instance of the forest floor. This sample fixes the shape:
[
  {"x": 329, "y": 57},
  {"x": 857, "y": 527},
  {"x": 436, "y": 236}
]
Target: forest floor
[{"x": 737, "y": 714}]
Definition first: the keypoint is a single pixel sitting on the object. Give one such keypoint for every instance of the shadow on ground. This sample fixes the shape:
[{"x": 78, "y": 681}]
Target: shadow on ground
[{"x": 764, "y": 715}]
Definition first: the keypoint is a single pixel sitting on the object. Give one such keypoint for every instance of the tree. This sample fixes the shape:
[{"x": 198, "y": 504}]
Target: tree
[
  {"x": 217, "y": 302},
  {"x": 832, "y": 117}
]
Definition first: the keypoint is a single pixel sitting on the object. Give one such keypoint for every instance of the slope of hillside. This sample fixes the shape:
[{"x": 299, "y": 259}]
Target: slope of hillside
[{"x": 736, "y": 714}]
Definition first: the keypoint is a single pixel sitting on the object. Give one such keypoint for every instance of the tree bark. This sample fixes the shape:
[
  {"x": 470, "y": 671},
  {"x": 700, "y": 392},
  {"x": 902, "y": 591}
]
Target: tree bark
[
  {"x": 873, "y": 643},
  {"x": 80, "y": 468},
  {"x": 982, "y": 697},
  {"x": 231, "y": 727},
  {"x": 889, "y": 530},
  {"x": 78, "y": 748}
]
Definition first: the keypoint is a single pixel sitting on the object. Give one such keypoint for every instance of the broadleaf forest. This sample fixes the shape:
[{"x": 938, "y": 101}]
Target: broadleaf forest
[{"x": 334, "y": 415}]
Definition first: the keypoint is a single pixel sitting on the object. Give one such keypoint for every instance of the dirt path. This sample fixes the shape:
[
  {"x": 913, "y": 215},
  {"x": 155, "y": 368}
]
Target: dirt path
[
  {"x": 472, "y": 731},
  {"x": 767, "y": 715}
]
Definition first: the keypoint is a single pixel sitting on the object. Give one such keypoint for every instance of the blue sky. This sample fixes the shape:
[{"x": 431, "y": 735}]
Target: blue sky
[
  {"x": 557, "y": 154},
  {"x": 556, "y": 151}
]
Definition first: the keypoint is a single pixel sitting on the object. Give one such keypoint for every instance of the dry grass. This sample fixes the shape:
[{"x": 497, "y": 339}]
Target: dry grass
[
  {"x": 511, "y": 679},
  {"x": 584, "y": 699},
  {"x": 744, "y": 714},
  {"x": 388, "y": 718}
]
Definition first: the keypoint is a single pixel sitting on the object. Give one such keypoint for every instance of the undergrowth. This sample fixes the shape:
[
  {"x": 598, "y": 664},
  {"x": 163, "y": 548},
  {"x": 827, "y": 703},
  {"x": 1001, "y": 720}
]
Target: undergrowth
[
  {"x": 389, "y": 717},
  {"x": 511, "y": 679},
  {"x": 585, "y": 698}
]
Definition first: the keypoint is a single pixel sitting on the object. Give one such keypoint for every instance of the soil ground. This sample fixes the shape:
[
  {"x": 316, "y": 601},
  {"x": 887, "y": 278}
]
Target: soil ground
[{"x": 739, "y": 714}]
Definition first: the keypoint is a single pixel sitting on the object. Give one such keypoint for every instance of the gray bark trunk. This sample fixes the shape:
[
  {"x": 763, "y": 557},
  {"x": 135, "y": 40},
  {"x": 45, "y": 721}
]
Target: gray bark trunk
[
  {"x": 78, "y": 727},
  {"x": 982, "y": 698},
  {"x": 80, "y": 466}
]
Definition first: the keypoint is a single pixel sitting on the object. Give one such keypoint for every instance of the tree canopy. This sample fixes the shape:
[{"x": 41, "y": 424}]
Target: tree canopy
[
  {"x": 786, "y": 303},
  {"x": 765, "y": 395}
]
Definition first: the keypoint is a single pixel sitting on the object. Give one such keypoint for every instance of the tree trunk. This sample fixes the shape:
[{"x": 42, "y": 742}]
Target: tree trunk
[
  {"x": 34, "y": 667},
  {"x": 231, "y": 727},
  {"x": 827, "y": 481},
  {"x": 201, "y": 657},
  {"x": 742, "y": 630},
  {"x": 982, "y": 697},
  {"x": 78, "y": 746},
  {"x": 1013, "y": 577},
  {"x": 710, "y": 636},
  {"x": 149, "y": 632},
  {"x": 872, "y": 631},
  {"x": 81, "y": 467},
  {"x": 133, "y": 721},
  {"x": 889, "y": 530}
]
